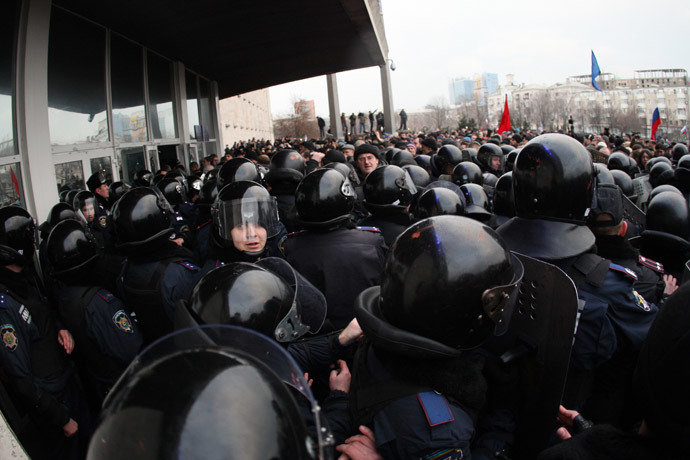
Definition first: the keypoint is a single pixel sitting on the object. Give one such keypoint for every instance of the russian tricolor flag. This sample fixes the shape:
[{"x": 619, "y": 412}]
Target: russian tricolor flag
[{"x": 656, "y": 121}]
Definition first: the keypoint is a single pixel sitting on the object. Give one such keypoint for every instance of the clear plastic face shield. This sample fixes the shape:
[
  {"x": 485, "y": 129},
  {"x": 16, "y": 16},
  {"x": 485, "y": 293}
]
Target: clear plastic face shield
[
  {"x": 86, "y": 209},
  {"x": 247, "y": 221},
  {"x": 235, "y": 342},
  {"x": 499, "y": 302},
  {"x": 406, "y": 182}
]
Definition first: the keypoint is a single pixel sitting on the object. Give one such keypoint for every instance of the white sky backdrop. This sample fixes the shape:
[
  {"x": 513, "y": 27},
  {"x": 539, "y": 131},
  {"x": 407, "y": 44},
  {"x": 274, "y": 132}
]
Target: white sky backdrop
[{"x": 538, "y": 41}]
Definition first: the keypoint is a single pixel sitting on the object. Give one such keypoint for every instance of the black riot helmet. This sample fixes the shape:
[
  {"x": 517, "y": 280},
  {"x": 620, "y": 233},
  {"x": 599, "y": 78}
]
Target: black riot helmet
[
  {"x": 389, "y": 154},
  {"x": 268, "y": 297},
  {"x": 620, "y": 161},
  {"x": 210, "y": 175},
  {"x": 661, "y": 189},
  {"x": 178, "y": 393},
  {"x": 208, "y": 193},
  {"x": 240, "y": 208},
  {"x": 477, "y": 205},
  {"x": 439, "y": 201},
  {"x": 602, "y": 174},
  {"x": 424, "y": 161},
  {"x": 286, "y": 167},
  {"x": 402, "y": 158},
  {"x": 70, "y": 247},
  {"x": 553, "y": 179},
  {"x": 623, "y": 181},
  {"x": 684, "y": 162},
  {"x": 324, "y": 199},
  {"x": 660, "y": 173},
  {"x": 655, "y": 160},
  {"x": 388, "y": 187},
  {"x": 180, "y": 177},
  {"x": 510, "y": 159},
  {"x": 506, "y": 148},
  {"x": 469, "y": 154},
  {"x": 63, "y": 196},
  {"x": 485, "y": 156},
  {"x": 504, "y": 199},
  {"x": 668, "y": 212},
  {"x": 446, "y": 158},
  {"x": 467, "y": 172},
  {"x": 172, "y": 190},
  {"x": 678, "y": 151},
  {"x": 143, "y": 178},
  {"x": 117, "y": 189},
  {"x": 346, "y": 169},
  {"x": 58, "y": 213},
  {"x": 448, "y": 283},
  {"x": 237, "y": 169},
  {"x": 17, "y": 236},
  {"x": 70, "y": 197},
  {"x": 140, "y": 217},
  {"x": 86, "y": 206},
  {"x": 419, "y": 175}
]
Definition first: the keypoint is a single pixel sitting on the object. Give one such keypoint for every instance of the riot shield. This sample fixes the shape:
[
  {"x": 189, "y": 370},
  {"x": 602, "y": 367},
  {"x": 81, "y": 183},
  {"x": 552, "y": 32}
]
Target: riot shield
[
  {"x": 642, "y": 189},
  {"x": 634, "y": 215},
  {"x": 686, "y": 273},
  {"x": 543, "y": 324}
]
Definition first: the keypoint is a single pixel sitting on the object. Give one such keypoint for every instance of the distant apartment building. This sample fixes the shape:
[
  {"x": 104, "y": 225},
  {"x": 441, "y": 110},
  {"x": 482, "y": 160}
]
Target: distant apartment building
[
  {"x": 305, "y": 107},
  {"x": 477, "y": 89},
  {"x": 461, "y": 90}
]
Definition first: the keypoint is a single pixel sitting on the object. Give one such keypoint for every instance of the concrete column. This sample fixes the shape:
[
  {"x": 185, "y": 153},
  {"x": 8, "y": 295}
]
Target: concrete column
[
  {"x": 387, "y": 93},
  {"x": 334, "y": 106},
  {"x": 33, "y": 127}
]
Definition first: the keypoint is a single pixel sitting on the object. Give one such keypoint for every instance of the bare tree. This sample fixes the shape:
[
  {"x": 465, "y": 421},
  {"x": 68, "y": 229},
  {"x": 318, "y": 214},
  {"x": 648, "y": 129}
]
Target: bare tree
[
  {"x": 439, "y": 111},
  {"x": 542, "y": 109},
  {"x": 624, "y": 121}
]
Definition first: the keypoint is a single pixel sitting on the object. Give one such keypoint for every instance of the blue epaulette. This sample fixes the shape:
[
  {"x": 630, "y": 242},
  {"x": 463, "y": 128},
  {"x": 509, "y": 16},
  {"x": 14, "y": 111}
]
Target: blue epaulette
[
  {"x": 435, "y": 407},
  {"x": 369, "y": 229},
  {"x": 625, "y": 270},
  {"x": 105, "y": 295},
  {"x": 189, "y": 266},
  {"x": 651, "y": 264}
]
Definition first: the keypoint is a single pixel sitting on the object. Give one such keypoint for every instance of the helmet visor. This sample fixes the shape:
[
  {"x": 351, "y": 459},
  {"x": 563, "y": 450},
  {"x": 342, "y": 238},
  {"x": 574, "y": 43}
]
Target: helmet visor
[{"x": 246, "y": 219}]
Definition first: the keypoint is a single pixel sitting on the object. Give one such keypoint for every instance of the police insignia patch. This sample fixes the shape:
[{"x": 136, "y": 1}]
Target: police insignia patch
[
  {"x": 639, "y": 300},
  {"x": 9, "y": 339},
  {"x": 123, "y": 322},
  {"x": 102, "y": 221}
]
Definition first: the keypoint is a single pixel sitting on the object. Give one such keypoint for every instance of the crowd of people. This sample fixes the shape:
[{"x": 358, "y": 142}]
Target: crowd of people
[{"x": 445, "y": 295}]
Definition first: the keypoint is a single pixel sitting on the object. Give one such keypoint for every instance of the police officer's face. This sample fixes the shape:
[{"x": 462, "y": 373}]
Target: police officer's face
[
  {"x": 103, "y": 191},
  {"x": 367, "y": 162},
  {"x": 89, "y": 213},
  {"x": 495, "y": 162},
  {"x": 249, "y": 237}
]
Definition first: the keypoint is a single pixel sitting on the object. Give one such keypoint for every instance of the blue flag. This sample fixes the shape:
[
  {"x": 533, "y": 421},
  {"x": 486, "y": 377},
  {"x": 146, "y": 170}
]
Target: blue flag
[{"x": 595, "y": 72}]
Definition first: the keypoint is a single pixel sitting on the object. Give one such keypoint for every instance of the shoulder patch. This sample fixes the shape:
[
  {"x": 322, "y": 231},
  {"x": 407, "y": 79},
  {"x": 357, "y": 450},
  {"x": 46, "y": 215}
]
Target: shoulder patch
[
  {"x": 435, "y": 407},
  {"x": 652, "y": 264},
  {"x": 624, "y": 270},
  {"x": 25, "y": 315},
  {"x": 189, "y": 266},
  {"x": 102, "y": 221},
  {"x": 105, "y": 295},
  {"x": 639, "y": 300},
  {"x": 369, "y": 229},
  {"x": 9, "y": 337},
  {"x": 123, "y": 322}
]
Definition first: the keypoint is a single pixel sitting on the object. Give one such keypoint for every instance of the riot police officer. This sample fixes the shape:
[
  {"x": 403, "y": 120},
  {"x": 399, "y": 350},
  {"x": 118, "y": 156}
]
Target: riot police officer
[
  {"x": 324, "y": 201},
  {"x": 157, "y": 272}
]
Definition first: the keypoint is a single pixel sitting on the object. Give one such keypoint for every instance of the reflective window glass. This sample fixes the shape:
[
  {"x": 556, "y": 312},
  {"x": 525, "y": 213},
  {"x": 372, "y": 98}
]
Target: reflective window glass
[
  {"x": 11, "y": 187},
  {"x": 102, "y": 164},
  {"x": 205, "y": 102},
  {"x": 192, "y": 104},
  {"x": 8, "y": 22},
  {"x": 160, "y": 97},
  {"x": 133, "y": 161},
  {"x": 76, "y": 80},
  {"x": 70, "y": 176},
  {"x": 127, "y": 83}
]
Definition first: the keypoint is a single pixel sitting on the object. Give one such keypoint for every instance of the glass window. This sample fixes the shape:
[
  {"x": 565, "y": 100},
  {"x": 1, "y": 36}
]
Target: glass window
[
  {"x": 192, "y": 104},
  {"x": 102, "y": 164},
  {"x": 211, "y": 148},
  {"x": 133, "y": 161},
  {"x": 205, "y": 102},
  {"x": 11, "y": 187},
  {"x": 127, "y": 83},
  {"x": 8, "y": 22},
  {"x": 76, "y": 80},
  {"x": 70, "y": 176},
  {"x": 160, "y": 97}
]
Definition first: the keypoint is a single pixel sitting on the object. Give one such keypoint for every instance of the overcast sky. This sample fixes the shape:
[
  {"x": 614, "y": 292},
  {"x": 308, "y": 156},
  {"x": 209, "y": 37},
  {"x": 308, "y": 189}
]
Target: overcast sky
[{"x": 538, "y": 41}]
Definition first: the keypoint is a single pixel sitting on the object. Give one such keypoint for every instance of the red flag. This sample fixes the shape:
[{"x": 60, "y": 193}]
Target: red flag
[
  {"x": 505, "y": 119},
  {"x": 15, "y": 182}
]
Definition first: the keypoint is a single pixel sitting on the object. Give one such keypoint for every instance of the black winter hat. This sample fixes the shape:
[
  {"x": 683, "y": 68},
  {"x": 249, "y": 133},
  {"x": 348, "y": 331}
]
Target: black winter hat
[
  {"x": 430, "y": 142},
  {"x": 368, "y": 148}
]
